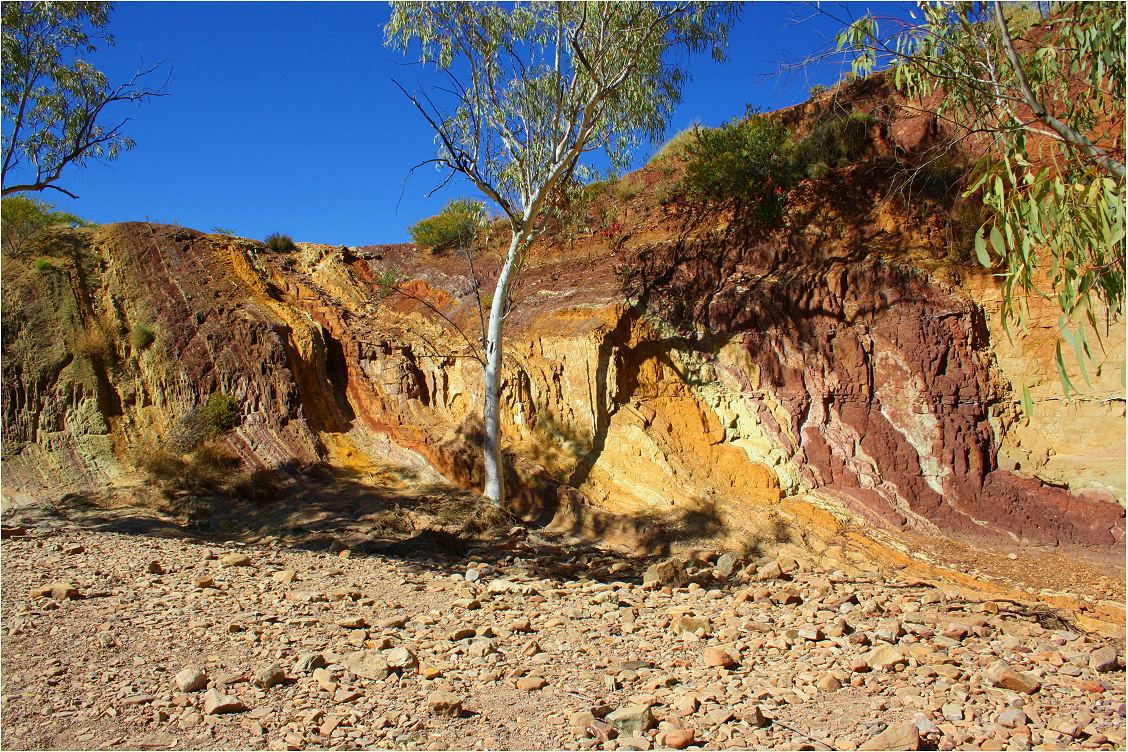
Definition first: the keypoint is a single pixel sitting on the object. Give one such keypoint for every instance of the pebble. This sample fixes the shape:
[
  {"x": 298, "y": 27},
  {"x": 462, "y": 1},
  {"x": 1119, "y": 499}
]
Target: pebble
[
  {"x": 828, "y": 683},
  {"x": 580, "y": 661},
  {"x": 1012, "y": 717},
  {"x": 715, "y": 657},
  {"x": 1000, "y": 674},
  {"x": 901, "y": 736},
  {"x": 400, "y": 659},
  {"x": 58, "y": 590},
  {"x": 631, "y": 720},
  {"x": 236, "y": 560},
  {"x": 215, "y": 703},
  {"x": 444, "y": 703},
  {"x": 191, "y": 679},
  {"x": 369, "y": 664},
  {"x": 1104, "y": 659},
  {"x": 531, "y": 683},
  {"x": 679, "y": 738},
  {"x": 307, "y": 662},
  {"x": 268, "y": 676}
]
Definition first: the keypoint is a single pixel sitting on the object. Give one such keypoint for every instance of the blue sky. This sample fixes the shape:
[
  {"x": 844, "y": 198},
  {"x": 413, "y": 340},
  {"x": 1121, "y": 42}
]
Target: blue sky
[{"x": 282, "y": 116}]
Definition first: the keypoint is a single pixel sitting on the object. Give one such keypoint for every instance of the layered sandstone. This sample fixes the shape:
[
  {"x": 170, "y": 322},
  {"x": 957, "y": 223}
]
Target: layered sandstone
[
  {"x": 842, "y": 369},
  {"x": 726, "y": 373}
]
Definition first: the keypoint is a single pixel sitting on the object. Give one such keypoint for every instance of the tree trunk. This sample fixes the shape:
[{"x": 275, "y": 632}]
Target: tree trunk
[{"x": 494, "y": 487}]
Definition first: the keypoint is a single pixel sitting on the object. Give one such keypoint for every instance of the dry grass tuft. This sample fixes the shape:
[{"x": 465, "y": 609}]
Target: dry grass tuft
[{"x": 473, "y": 514}]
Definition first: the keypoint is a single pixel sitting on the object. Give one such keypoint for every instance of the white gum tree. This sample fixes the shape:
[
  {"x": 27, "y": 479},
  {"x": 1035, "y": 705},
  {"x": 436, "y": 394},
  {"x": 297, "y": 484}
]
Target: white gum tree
[{"x": 531, "y": 88}]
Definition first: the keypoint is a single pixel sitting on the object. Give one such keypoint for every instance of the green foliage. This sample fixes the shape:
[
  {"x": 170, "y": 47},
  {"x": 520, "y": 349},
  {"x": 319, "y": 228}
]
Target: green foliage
[
  {"x": 43, "y": 264},
  {"x": 52, "y": 99},
  {"x": 748, "y": 162},
  {"x": 818, "y": 171},
  {"x": 1055, "y": 215},
  {"x": 817, "y": 91},
  {"x": 389, "y": 280},
  {"x": 752, "y": 162},
  {"x": 545, "y": 83},
  {"x": 223, "y": 231},
  {"x": 678, "y": 144},
  {"x": 836, "y": 141},
  {"x": 280, "y": 243},
  {"x": 628, "y": 188},
  {"x": 221, "y": 412},
  {"x": 24, "y": 216},
  {"x": 456, "y": 226},
  {"x": 141, "y": 336}
]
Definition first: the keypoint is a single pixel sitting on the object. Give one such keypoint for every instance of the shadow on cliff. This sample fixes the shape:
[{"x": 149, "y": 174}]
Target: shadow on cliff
[
  {"x": 538, "y": 498},
  {"x": 697, "y": 297}
]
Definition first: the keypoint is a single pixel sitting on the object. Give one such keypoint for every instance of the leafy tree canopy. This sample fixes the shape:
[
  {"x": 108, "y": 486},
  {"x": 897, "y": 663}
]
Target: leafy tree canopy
[
  {"x": 1043, "y": 97},
  {"x": 55, "y": 103},
  {"x": 538, "y": 85}
]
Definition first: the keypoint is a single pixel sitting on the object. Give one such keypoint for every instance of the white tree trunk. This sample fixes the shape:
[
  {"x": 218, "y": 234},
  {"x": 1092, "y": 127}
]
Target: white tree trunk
[{"x": 494, "y": 487}]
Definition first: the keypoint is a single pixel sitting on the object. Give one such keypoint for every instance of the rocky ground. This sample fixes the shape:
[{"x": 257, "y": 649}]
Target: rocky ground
[{"x": 522, "y": 641}]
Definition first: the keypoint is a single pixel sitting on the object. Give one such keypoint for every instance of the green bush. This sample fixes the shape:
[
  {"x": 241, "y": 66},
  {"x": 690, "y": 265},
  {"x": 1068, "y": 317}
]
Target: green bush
[
  {"x": 141, "y": 336},
  {"x": 389, "y": 280},
  {"x": 747, "y": 162},
  {"x": 24, "y": 216},
  {"x": 817, "y": 91},
  {"x": 593, "y": 190},
  {"x": 678, "y": 144},
  {"x": 280, "y": 243},
  {"x": 220, "y": 412},
  {"x": 818, "y": 171},
  {"x": 836, "y": 141},
  {"x": 44, "y": 264},
  {"x": 455, "y": 226}
]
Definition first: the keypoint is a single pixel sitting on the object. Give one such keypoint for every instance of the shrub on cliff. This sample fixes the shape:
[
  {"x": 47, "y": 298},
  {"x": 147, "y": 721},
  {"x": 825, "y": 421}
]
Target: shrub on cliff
[
  {"x": 208, "y": 469},
  {"x": 836, "y": 141},
  {"x": 748, "y": 162},
  {"x": 678, "y": 144},
  {"x": 220, "y": 412},
  {"x": 454, "y": 227},
  {"x": 141, "y": 336},
  {"x": 280, "y": 243},
  {"x": 24, "y": 216}
]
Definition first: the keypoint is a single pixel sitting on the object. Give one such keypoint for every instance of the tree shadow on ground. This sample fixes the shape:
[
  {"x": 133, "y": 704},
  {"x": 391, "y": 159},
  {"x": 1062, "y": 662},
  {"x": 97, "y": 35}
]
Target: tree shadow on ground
[{"x": 331, "y": 510}]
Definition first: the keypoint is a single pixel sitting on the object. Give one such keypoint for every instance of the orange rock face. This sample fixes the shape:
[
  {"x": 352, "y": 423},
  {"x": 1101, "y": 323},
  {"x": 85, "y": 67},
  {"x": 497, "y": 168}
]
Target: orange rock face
[{"x": 831, "y": 370}]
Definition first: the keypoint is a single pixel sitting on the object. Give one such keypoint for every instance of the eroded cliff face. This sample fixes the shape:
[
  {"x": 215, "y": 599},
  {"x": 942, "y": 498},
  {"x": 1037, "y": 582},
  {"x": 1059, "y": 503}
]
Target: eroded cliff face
[
  {"x": 85, "y": 395},
  {"x": 843, "y": 367},
  {"x": 729, "y": 378}
]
